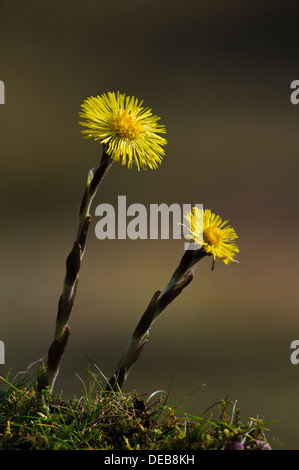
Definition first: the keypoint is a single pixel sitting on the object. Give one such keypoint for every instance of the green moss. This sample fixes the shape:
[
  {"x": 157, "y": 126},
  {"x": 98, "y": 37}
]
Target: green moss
[{"x": 117, "y": 421}]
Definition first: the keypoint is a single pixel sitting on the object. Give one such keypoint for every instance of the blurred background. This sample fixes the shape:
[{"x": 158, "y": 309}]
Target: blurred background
[{"x": 219, "y": 74}]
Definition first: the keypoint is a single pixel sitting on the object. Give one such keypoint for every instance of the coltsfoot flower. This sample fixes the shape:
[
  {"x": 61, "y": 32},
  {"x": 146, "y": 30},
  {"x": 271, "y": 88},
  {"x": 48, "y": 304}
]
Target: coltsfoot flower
[
  {"x": 209, "y": 231},
  {"x": 129, "y": 130}
]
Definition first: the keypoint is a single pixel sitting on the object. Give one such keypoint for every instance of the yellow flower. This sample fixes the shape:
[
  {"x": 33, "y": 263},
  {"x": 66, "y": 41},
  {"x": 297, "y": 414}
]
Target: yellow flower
[
  {"x": 209, "y": 231},
  {"x": 128, "y": 129}
]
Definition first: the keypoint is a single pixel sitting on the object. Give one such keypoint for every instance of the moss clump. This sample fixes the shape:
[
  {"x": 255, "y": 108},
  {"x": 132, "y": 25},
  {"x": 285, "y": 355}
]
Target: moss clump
[{"x": 117, "y": 421}]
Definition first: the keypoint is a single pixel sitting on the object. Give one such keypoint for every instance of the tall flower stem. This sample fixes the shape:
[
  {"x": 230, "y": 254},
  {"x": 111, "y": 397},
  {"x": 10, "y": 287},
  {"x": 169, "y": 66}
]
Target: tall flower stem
[
  {"x": 180, "y": 279},
  {"x": 47, "y": 374}
]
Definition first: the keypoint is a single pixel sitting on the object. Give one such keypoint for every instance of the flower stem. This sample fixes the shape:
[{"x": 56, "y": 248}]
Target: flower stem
[
  {"x": 47, "y": 375},
  {"x": 180, "y": 279}
]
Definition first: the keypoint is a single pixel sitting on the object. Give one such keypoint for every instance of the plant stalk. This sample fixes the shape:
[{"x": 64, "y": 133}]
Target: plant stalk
[
  {"x": 180, "y": 279},
  {"x": 47, "y": 374}
]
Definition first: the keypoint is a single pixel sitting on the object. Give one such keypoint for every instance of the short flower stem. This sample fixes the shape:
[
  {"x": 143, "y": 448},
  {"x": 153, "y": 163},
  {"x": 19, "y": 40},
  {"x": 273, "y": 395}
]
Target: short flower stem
[
  {"x": 180, "y": 279},
  {"x": 47, "y": 375}
]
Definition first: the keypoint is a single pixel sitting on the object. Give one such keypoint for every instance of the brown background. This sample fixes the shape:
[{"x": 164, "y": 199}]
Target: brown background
[{"x": 219, "y": 75}]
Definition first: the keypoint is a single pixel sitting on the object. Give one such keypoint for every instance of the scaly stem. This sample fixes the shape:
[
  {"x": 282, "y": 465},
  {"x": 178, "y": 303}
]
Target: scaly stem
[
  {"x": 180, "y": 279},
  {"x": 47, "y": 375}
]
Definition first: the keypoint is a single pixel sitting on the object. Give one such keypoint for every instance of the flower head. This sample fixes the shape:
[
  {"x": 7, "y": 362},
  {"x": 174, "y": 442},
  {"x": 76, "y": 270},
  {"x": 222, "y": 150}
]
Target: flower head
[
  {"x": 129, "y": 130},
  {"x": 209, "y": 231}
]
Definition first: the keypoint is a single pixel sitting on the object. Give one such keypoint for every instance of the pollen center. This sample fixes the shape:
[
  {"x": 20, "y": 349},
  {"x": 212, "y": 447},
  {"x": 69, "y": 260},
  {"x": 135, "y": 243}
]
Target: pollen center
[
  {"x": 212, "y": 235},
  {"x": 126, "y": 126}
]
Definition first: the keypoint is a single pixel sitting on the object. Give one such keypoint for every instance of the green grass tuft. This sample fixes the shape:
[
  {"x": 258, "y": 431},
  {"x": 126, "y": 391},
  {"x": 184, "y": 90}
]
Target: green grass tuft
[{"x": 118, "y": 421}]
